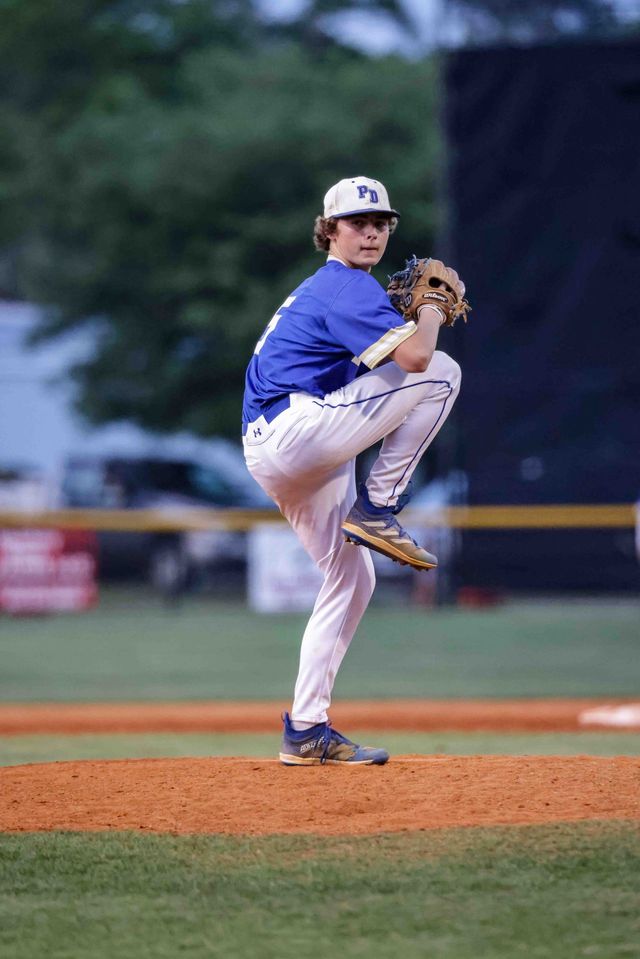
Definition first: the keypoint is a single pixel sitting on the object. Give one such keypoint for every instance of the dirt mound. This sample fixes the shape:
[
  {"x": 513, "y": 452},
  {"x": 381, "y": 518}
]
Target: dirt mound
[
  {"x": 245, "y": 796},
  {"x": 420, "y": 715}
]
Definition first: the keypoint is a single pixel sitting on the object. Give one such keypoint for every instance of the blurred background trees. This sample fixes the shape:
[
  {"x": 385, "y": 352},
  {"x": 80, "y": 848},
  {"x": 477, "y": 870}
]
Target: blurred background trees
[
  {"x": 162, "y": 163},
  {"x": 161, "y": 169}
]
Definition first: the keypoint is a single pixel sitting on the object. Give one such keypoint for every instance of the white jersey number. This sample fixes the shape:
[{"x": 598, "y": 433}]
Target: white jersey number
[{"x": 273, "y": 322}]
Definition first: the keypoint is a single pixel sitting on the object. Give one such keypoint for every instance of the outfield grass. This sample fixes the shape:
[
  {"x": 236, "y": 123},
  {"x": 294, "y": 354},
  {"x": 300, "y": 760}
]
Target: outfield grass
[
  {"x": 15, "y": 750},
  {"x": 133, "y": 647},
  {"x": 556, "y": 892}
]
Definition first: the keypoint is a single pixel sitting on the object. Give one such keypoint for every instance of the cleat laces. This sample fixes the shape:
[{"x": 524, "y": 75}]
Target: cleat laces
[{"x": 329, "y": 735}]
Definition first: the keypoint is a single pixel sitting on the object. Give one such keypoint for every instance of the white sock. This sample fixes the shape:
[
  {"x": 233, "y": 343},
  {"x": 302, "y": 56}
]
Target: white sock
[{"x": 300, "y": 727}]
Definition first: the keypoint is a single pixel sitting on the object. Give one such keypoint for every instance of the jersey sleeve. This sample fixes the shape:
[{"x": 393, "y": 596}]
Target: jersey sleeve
[{"x": 363, "y": 320}]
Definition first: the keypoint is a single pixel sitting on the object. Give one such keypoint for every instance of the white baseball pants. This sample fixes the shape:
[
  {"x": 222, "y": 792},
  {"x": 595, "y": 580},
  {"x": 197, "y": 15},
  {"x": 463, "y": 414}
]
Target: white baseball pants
[{"x": 305, "y": 460}]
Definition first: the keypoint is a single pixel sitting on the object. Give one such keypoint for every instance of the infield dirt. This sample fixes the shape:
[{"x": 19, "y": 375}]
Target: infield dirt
[
  {"x": 257, "y": 797},
  {"x": 417, "y": 715}
]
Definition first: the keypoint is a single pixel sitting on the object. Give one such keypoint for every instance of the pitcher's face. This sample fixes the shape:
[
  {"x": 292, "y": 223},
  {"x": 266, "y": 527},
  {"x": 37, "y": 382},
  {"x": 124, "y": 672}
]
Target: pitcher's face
[{"x": 360, "y": 240}]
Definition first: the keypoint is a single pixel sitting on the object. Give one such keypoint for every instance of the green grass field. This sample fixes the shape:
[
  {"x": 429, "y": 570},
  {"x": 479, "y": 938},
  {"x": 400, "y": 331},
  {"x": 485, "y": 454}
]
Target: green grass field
[
  {"x": 133, "y": 647},
  {"x": 554, "y": 892},
  {"x": 560, "y": 892},
  {"x": 39, "y": 749}
]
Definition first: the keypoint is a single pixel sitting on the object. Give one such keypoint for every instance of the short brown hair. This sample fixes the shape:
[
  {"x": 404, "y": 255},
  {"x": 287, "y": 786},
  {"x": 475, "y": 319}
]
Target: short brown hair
[{"x": 325, "y": 228}]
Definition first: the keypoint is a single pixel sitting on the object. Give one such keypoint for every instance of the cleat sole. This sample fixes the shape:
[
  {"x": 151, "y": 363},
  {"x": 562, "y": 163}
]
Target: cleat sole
[
  {"x": 289, "y": 760},
  {"x": 385, "y": 549}
]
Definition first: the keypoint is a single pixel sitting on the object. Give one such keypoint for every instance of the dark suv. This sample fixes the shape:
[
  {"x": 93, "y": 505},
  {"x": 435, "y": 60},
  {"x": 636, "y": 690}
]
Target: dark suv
[{"x": 169, "y": 560}]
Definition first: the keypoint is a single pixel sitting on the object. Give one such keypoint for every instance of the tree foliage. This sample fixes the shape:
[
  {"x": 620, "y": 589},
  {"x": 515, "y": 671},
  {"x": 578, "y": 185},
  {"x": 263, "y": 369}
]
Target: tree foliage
[{"x": 161, "y": 171}]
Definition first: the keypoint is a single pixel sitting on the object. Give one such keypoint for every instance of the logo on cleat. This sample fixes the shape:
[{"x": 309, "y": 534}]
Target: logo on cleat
[{"x": 311, "y": 745}]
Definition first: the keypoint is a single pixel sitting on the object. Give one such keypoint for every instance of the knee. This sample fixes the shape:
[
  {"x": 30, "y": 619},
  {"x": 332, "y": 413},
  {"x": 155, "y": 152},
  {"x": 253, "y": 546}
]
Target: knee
[
  {"x": 352, "y": 568},
  {"x": 366, "y": 572},
  {"x": 364, "y": 581},
  {"x": 360, "y": 569},
  {"x": 447, "y": 369}
]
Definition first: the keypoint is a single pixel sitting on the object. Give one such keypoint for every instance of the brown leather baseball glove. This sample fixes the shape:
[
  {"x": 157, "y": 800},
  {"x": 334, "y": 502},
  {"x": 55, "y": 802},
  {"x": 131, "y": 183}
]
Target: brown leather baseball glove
[{"x": 428, "y": 282}]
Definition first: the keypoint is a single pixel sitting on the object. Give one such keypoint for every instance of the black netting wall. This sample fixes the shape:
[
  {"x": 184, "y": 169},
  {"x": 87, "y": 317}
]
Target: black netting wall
[{"x": 544, "y": 189}]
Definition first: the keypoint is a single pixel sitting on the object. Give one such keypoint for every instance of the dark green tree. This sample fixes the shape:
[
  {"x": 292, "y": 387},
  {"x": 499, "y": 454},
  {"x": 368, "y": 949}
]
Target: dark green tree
[{"x": 161, "y": 188}]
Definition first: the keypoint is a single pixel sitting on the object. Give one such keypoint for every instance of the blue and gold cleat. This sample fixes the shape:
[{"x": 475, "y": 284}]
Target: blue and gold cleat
[
  {"x": 377, "y": 528},
  {"x": 321, "y": 744}
]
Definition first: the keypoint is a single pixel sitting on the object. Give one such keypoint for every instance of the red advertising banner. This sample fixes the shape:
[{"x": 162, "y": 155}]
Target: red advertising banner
[{"x": 47, "y": 570}]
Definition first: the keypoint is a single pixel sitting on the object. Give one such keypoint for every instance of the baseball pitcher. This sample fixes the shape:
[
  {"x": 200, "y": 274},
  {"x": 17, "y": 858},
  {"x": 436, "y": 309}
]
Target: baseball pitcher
[{"x": 341, "y": 365}]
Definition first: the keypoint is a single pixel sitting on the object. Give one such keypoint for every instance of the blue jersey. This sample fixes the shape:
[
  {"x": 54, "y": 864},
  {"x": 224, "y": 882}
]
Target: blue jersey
[{"x": 334, "y": 321}]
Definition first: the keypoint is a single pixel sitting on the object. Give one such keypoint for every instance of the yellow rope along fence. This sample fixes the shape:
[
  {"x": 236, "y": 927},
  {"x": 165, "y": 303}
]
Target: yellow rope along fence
[{"x": 565, "y": 516}]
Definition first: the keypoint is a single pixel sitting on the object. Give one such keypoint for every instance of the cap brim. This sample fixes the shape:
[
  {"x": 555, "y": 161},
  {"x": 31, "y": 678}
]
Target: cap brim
[{"x": 375, "y": 209}]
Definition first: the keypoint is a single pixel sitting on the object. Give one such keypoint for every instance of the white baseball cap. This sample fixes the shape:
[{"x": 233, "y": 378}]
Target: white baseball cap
[{"x": 357, "y": 194}]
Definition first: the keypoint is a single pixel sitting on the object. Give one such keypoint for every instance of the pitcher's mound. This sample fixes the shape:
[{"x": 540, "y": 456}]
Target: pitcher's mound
[{"x": 261, "y": 796}]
